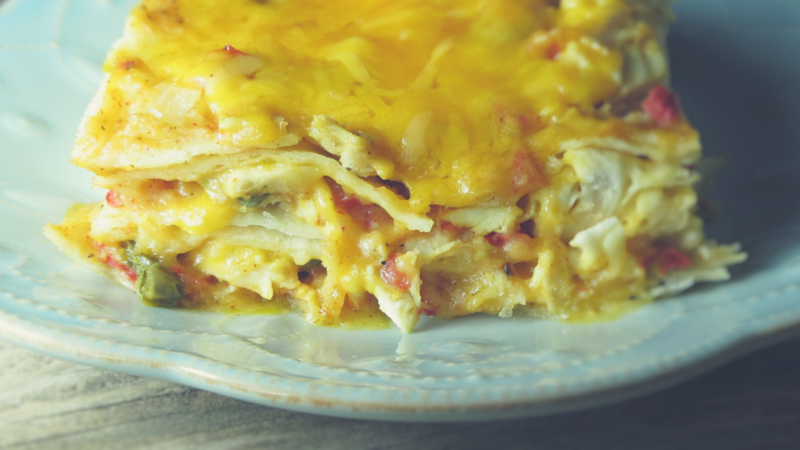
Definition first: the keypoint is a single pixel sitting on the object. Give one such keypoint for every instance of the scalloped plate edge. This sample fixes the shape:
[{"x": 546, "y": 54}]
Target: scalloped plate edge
[{"x": 36, "y": 337}]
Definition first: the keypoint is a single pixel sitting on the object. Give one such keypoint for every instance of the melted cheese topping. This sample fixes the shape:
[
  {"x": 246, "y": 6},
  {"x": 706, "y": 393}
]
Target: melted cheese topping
[{"x": 446, "y": 93}]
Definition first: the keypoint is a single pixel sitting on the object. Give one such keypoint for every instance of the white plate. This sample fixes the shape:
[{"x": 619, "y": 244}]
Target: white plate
[{"x": 736, "y": 68}]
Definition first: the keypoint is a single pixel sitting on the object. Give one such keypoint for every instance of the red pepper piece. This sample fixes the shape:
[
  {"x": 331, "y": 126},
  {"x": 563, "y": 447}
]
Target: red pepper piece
[
  {"x": 554, "y": 50},
  {"x": 393, "y": 276},
  {"x": 662, "y": 106},
  {"x": 668, "y": 259},
  {"x": 525, "y": 174},
  {"x": 341, "y": 198},
  {"x": 108, "y": 259},
  {"x": 373, "y": 217},
  {"x": 113, "y": 199},
  {"x": 233, "y": 51},
  {"x": 496, "y": 239}
]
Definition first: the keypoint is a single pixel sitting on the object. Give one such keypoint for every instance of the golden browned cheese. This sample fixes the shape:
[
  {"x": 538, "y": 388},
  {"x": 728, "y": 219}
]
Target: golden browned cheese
[
  {"x": 445, "y": 157},
  {"x": 445, "y": 91}
]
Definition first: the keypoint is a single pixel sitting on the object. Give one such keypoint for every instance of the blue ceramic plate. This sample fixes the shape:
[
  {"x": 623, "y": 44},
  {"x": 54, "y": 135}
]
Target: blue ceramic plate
[{"x": 736, "y": 68}]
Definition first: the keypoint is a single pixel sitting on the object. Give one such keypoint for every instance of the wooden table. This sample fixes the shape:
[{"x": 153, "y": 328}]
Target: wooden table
[{"x": 46, "y": 403}]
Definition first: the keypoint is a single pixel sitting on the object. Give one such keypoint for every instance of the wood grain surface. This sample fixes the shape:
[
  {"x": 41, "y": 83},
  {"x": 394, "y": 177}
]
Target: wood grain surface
[{"x": 46, "y": 403}]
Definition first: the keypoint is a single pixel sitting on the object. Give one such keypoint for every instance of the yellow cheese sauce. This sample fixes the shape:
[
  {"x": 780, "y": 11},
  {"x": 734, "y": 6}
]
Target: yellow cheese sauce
[
  {"x": 602, "y": 313},
  {"x": 243, "y": 302},
  {"x": 191, "y": 209},
  {"x": 447, "y": 91},
  {"x": 609, "y": 312},
  {"x": 366, "y": 317}
]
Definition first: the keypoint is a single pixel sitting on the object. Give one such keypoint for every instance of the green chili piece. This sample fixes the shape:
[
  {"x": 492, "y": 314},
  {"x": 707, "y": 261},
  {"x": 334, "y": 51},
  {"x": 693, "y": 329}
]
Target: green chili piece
[
  {"x": 253, "y": 200},
  {"x": 158, "y": 286},
  {"x": 137, "y": 260}
]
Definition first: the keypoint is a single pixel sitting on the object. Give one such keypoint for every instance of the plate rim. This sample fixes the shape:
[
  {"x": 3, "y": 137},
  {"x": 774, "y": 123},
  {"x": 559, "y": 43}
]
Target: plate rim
[{"x": 25, "y": 333}]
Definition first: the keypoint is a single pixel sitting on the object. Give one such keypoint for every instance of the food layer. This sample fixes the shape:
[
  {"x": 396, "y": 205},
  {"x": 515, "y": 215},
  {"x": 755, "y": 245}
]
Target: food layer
[{"x": 393, "y": 158}]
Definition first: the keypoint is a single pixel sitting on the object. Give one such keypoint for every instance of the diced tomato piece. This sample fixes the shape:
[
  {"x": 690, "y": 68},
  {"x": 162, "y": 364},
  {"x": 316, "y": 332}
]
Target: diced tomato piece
[
  {"x": 233, "y": 51},
  {"x": 108, "y": 259},
  {"x": 114, "y": 264},
  {"x": 553, "y": 50},
  {"x": 676, "y": 261},
  {"x": 427, "y": 312},
  {"x": 428, "y": 307},
  {"x": 226, "y": 53},
  {"x": 125, "y": 65},
  {"x": 113, "y": 199},
  {"x": 164, "y": 185},
  {"x": 448, "y": 226},
  {"x": 373, "y": 217},
  {"x": 662, "y": 106},
  {"x": 369, "y": 216},
  {"x": 496, "y": 239},
  {"x": 526, "y": 122},
  {"x": 393, "y": 276},
  {"x": 340, "y": 197},
  {"x": 525, "y": 174},
  {"x": 668, "y": 259},
  {"x": 179, "y": 271}
]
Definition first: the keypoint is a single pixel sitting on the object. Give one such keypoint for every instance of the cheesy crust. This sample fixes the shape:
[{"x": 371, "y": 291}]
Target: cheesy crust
[{"x": 438, "y": 157}]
